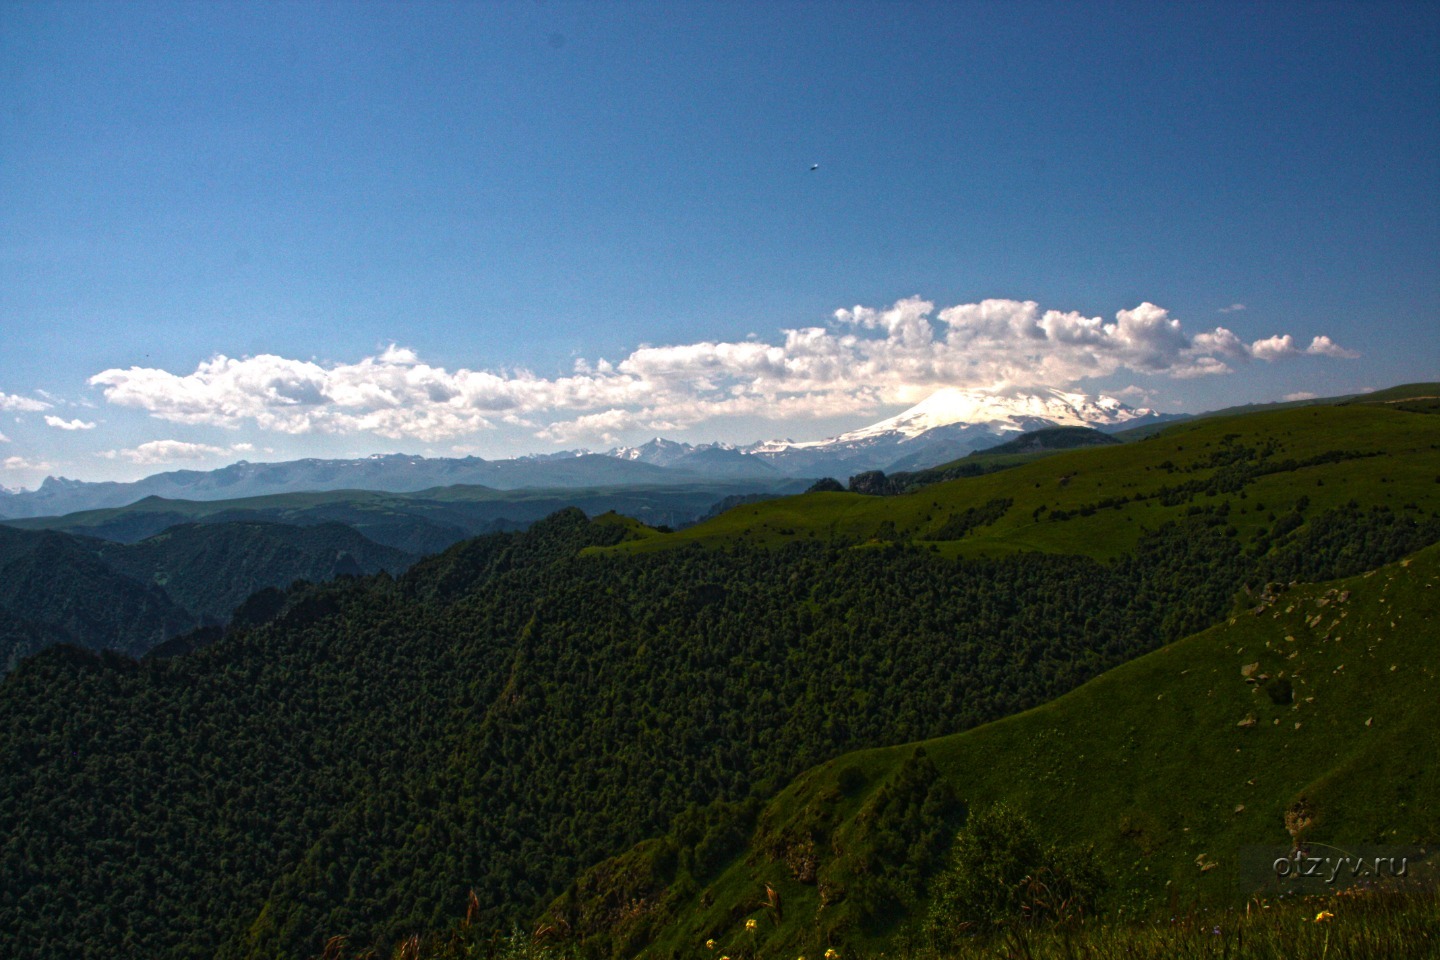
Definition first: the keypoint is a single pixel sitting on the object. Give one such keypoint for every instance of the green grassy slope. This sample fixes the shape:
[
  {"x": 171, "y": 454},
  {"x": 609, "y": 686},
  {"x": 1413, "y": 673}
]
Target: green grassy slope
[
  {"x": 1262, "y": 463},
  {"x": 1166, "y": 764}
]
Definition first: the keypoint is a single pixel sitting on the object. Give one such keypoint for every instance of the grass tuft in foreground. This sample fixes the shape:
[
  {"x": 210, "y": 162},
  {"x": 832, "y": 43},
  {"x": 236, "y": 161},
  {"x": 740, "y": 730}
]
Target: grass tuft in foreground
[
  {"x": 1400, "y": 922},
  {"x": 1384, "y": 922}
]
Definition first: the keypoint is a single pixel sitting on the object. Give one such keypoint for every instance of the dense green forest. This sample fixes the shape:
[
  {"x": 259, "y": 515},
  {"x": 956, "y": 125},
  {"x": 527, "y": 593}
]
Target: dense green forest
[
  {"x": 357, "y": 757},
  {"x": 133, "y": 597}
]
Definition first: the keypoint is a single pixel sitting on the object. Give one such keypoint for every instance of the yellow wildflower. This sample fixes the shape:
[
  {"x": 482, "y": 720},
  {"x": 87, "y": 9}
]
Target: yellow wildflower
[
  {"x": 830, "y": 954},
  {"x": 1323, "y": 915},
  {"x": 709, "y": 944},
  {"x": 750, "y": 924}
]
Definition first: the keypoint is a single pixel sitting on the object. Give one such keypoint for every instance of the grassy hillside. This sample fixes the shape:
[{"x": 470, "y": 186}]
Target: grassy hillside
[
  {"x": 1179, "y": 767},
  {"x": 1097, "y": 502}
]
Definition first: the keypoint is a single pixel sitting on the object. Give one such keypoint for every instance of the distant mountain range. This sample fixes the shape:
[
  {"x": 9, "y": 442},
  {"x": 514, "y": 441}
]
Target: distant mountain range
[
  {"x": 948, "y": 424},
  {"x": 392, "y": 473}
]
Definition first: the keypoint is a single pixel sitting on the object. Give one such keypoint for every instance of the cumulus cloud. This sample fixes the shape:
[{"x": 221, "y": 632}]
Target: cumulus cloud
[
  {"x": 605, "y": 426},
  {"x": 20, "y": 463},
  {"x": 1325, "y": 347},
  {"x": 168, "y": 451},
  {"x": 1135, "y": 394},
  {"x": 864, "y": 358},
  {"x": 62, "y": 424},
  {"x": 4, "y": 439},
  {"x": 24, "y": 404}
]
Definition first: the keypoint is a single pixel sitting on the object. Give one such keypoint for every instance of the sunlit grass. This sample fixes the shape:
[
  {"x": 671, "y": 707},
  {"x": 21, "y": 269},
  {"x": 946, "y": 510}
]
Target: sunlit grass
[
  {"x": 1378, "y": 923},
  {"x": 1373, "y": 924}
]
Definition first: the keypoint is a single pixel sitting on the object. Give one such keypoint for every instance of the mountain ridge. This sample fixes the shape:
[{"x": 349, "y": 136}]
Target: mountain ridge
[
  {"x": 131, "y": 597},
  {"x": 390, "y": 473},
  {"x": 947, "y": 424}
]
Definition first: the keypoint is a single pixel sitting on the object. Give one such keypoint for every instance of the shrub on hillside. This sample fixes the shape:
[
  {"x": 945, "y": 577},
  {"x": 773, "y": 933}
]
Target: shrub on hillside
[{"x": 1003, "y": 874}]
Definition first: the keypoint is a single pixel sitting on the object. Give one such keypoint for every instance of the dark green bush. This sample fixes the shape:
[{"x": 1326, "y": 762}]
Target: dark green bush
[{"x": 1003, "y": 874}]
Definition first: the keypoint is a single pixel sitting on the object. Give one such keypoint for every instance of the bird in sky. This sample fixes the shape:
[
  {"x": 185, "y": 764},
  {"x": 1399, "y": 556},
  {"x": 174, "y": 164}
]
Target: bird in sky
[{"x": 814, "y": 166}]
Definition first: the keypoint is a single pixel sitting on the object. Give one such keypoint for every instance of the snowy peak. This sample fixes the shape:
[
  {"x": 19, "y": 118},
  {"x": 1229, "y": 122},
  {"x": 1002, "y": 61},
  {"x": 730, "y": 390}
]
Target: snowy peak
[
  {"x": 658, "y": 451},
  {"x": 999, "y": 413},
  {"x": 949, "y": 423},
  {"x": 670, "y": 453}
]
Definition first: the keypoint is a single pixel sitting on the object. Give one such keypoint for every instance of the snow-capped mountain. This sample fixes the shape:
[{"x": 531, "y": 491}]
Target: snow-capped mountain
[
  {"x": 660, "y": 452},
  {"x": 944, "y": 426},
  {"x": 1001, "y": 414},
  {"x": 948, "y": 424},
  {"x": 706, "y": 459}
]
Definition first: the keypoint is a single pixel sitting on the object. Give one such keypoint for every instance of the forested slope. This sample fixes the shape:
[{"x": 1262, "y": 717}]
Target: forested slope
[
  {"x": 522, "y": 706},
  {"x": 131, "y": 598}
]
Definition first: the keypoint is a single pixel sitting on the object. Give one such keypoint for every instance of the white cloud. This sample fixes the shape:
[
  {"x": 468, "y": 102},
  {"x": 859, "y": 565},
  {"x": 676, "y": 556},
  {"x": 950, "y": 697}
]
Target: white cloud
[
  {"x": 168, "y": 451},
  {"x": 1233, "y": 308},
  {"x": 1135, "y": 394},
  {"x": 20, "y": 463},
  {"x": 62, "y": 424},
  {"x": 1300, "y": 395},
  {"x": 1325, "y": 347},
  {"x": 1274, "y": 348},
  {"x": 4, "y": 439},
  {"x": 605, "y": 427},
  {"x": 26, "y": 404},
  {"x": 864, "y": 359}
]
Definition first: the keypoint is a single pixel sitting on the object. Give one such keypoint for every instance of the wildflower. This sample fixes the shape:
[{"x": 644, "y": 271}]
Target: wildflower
[
  {"x": 1215, "y": 931},
  {"x": 750, "y": 924},
  {"x": 1323, "y": 916},
  {"x": 709, "y": 944},
  {"x": 831, "y": 954}
]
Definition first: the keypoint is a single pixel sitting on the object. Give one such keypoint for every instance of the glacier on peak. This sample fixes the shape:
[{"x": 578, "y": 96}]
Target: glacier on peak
[{"x": 948, "y": 423}]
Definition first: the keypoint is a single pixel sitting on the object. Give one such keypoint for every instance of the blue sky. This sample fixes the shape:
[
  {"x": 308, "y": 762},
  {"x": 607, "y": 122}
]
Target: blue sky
[{"x": 267, "y": 231}]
